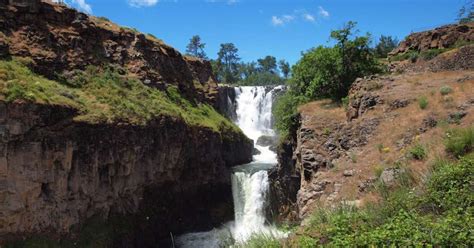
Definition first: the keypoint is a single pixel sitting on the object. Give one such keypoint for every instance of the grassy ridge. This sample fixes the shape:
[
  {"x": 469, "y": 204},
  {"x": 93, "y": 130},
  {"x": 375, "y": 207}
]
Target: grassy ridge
[{"x": 105, "y": 96}]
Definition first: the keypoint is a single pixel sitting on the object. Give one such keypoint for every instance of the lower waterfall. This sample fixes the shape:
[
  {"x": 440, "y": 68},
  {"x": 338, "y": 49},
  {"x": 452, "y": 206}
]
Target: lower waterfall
[{"x": 250, "y": 185}]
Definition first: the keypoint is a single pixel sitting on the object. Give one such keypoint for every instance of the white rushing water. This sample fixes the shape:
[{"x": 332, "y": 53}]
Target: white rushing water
[{"x": 250, "y": 185}]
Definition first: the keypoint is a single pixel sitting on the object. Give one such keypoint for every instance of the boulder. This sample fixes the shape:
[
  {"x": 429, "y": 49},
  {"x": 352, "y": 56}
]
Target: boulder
[{"x": 266, "y": 140}]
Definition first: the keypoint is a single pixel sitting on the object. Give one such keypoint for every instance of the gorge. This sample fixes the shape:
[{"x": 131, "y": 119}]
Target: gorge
[
  {"x": 250, "y": 182},
  {"x": 110, "y": 137}
]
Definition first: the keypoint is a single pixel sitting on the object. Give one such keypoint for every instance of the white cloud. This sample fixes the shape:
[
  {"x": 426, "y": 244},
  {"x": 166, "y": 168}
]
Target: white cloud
[
  {"x": 80, "y": 4},
  {"x": 142, "y": 3},
  {"x": 309, "y": 17},
  {"x": 277, "y": 21},
  {"x": 322, "y": 12},
  {"x": 281, "y": 20},
  {"x": 83, "y": 6}
]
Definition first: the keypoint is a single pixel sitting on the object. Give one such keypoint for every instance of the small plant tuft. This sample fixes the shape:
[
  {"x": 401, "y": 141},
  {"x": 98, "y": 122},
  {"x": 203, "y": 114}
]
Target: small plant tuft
[
  {"x": 445, "y": 90},
  {"x": 423, "y": 102},
  {"x": 418, "y": 152},
  {"x": 460, "y": 141}
]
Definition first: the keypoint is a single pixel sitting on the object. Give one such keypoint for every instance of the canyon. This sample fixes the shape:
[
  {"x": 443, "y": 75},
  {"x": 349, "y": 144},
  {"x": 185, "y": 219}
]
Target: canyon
[{"x": 58, "y": 172}]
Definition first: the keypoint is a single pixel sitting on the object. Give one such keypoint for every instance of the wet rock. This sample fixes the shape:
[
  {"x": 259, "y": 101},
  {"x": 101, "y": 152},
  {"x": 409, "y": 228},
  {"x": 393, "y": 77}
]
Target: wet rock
[
  {"x": 256, "y": 151},
  {"x": 266, "y": 140}
]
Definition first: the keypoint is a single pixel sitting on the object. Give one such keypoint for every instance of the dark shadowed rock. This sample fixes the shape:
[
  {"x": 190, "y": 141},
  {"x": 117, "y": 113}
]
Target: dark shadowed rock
[
  {"x": 256, "y": 151},
  {"x": 266, "y": 140}
]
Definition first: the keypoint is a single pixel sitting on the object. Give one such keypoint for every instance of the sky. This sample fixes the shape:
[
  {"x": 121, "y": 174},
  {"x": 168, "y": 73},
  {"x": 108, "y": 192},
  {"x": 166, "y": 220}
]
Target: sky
[{"x": 281, "y": 28}]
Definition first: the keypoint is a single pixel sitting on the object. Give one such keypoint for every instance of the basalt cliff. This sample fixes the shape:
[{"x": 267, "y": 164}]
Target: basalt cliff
[
  {"x": 164, "y": 176},
  {"x": 338, "y": 154}
]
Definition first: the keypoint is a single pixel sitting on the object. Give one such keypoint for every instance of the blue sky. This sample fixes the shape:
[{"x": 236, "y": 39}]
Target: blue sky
[{"x": 282, "y": 28}]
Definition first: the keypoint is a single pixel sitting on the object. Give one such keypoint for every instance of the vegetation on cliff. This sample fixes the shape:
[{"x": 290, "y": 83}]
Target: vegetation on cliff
[
  {"x": 326, "y": 72},
  {"x": 436, "y": 212},
  {"x": 105, "y": 95}
]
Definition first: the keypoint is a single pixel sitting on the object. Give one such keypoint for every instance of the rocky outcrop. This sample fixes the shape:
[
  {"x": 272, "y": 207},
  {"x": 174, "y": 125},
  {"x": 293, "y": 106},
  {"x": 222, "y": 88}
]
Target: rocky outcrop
[
  {"x": 59, "y": 40},
  {"x": 456, "y": 59},
  {"x": 227, "y": 104},
  {"x": 439, "y": 38},
  {"x": 285, "y": 181},
  {"x": 56, "y": 172}
]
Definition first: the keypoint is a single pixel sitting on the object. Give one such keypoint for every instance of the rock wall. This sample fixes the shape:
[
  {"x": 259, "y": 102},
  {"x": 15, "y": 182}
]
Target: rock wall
[
  {"x": 55, "y": 172},
  {"x": 442, "y": 37},
  {"x": 227, "y": 104},
  {"x": 59, "y": 40}
]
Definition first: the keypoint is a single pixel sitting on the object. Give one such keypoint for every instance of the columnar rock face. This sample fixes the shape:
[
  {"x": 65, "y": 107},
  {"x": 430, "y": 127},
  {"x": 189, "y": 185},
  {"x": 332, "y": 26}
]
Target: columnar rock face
[
  {"x": 55, "y": 172},
  {"x": 60, "y": 39}
]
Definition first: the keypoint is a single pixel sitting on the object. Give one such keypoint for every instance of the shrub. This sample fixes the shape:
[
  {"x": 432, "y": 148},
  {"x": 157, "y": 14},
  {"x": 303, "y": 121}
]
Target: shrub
[
  {"x": 431, "y": 53},
  {"x": 418, "y": 152},
  {"x": 423, "y": 102},
  {"x": 286, "y": 112},
  {"x": 460, "y": 141},
  {"x": 306, "y": 242},
  {"x": 440, "y": 215},
  {"x": 445, "y": 90},
  {"x": 261, "y": 240},
  {"x": 411, "y": 55},
  {"x": 450, "y": 186}
]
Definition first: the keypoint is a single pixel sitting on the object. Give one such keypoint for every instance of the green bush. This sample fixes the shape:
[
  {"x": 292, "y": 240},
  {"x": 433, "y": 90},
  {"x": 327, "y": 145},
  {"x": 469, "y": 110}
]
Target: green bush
[
  {"x": 286, "y": 112},
  {"x": 445, "y": 90},
  {"x": 326, "y": 72},
  {"x": 423, "y": 102},
  {"x": 306, "y": 242},
  {"x": 413, "y": 57},
  {"x": 440, "y": 214},
  {"x": 410, "y": 55},
  {"x": 460, "y": 141},
  {"x": 431, "y": 53},
  {"x": 451, "y": 186},
  {"x": 418, "y": 152},
  {"x": 261, "y": 240}
]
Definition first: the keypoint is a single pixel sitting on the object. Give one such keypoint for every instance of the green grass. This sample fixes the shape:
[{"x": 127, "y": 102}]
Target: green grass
[
  {"x": 432, "y": 53},
  {"x": 460, "y": 141},
  {"x": 439, "y": 213},
  {"x": 106, "y": 96},
  {"x": 418, "y": 152},
  {"x": 445, "y": 90},
  {"x": 411, "y": 55},
  {"x": 423, "y": 102},
  {"x": 259, "y": 241}
]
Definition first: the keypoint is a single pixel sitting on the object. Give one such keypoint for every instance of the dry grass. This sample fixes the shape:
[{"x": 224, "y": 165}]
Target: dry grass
[{"x": 395, "y": 125}]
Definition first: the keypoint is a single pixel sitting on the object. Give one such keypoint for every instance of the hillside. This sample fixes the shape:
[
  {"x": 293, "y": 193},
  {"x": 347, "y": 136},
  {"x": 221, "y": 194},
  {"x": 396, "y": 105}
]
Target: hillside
[{"x": 345, "y": 164}]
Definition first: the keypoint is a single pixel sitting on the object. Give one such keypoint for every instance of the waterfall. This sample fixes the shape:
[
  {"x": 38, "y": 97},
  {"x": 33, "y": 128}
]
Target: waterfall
[{"x": 250, "y": 185}]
